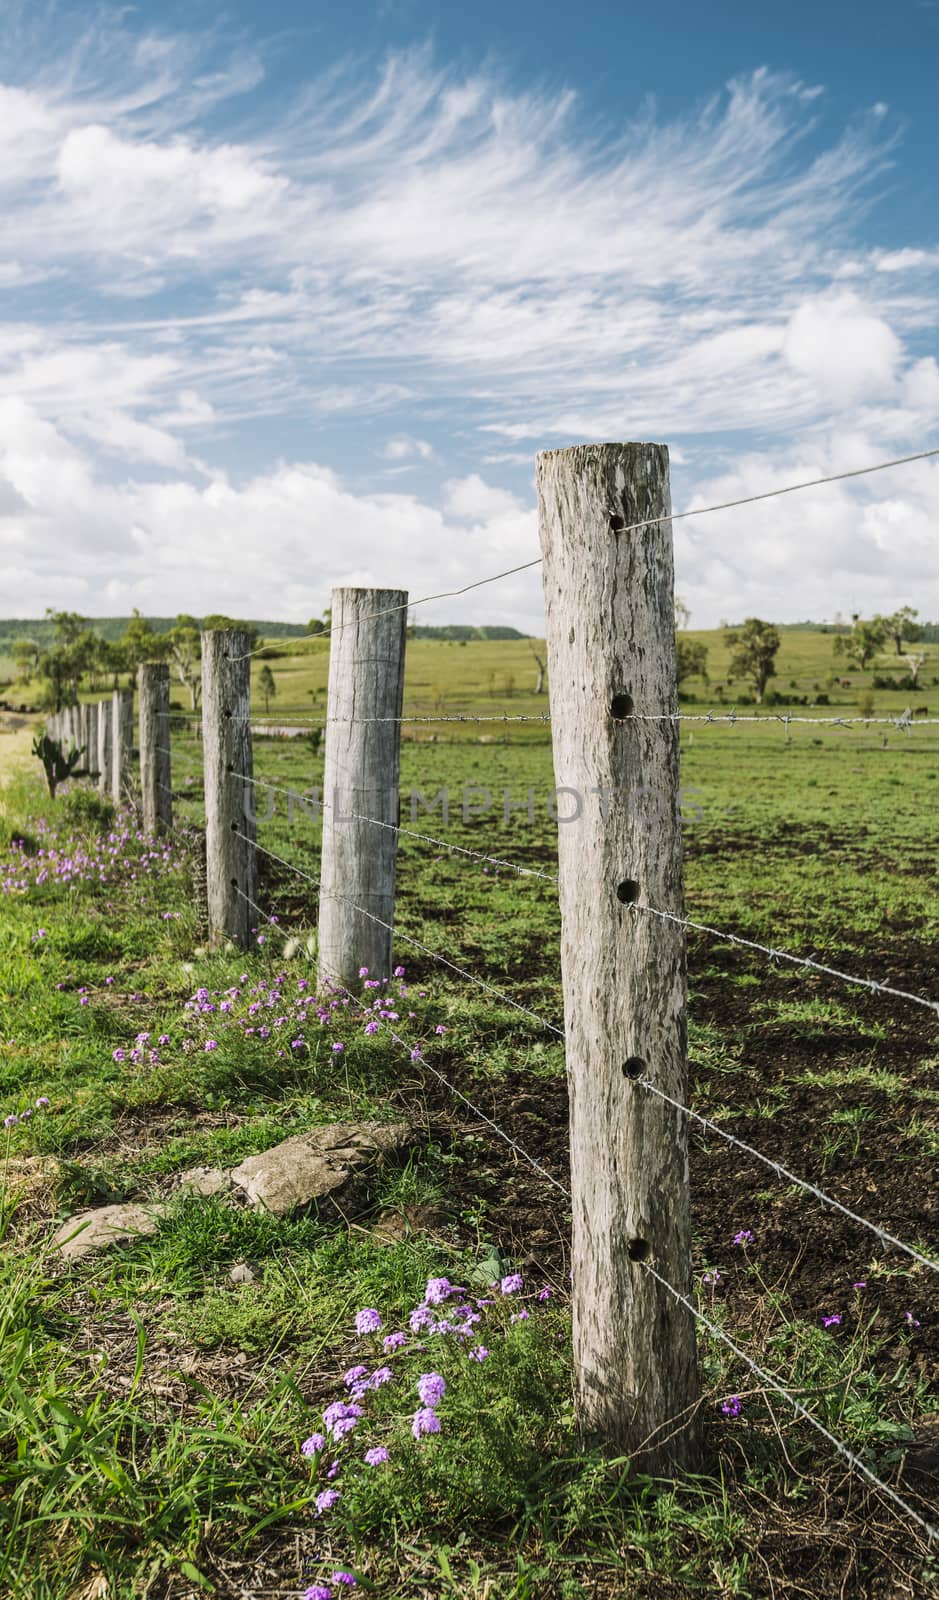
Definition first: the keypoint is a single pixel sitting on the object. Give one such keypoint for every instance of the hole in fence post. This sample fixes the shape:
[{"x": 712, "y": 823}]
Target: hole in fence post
[
  {"x": 628, "y": 892},
  {"x": 617, "y": 523},
  {"x": 234, "y": 883},
  {"x": 634, "y": 1067},
  {"x": 621, "y": 705},
  {"x": 638, "y": 1249}
]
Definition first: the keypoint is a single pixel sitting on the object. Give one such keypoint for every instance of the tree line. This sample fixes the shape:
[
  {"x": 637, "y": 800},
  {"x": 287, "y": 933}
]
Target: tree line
[{"x": 78, "y": 653}]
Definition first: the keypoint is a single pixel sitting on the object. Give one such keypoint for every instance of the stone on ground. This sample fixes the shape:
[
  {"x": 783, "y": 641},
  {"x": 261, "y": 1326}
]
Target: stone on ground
[
  {"x": 322, "y": 1163},
  {"x": 89, "y": 1231}
]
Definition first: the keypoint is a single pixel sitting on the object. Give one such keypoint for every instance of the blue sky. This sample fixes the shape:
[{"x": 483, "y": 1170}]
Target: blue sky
[{"x": 292, "y": 295}]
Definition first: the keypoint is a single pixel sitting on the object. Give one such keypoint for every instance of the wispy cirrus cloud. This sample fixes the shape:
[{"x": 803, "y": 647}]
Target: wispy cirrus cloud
[{"x": 467, "y": 267}]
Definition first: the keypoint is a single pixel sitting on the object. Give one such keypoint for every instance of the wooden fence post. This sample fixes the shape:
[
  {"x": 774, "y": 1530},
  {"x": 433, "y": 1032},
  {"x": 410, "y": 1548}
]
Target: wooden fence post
[
  {"x": 122, "y": 723},
  {"x": 105, "y": 720},
  {"x": 230, "y": 812},
  {"x": 153, "y": 688},
  {"x": 611, "y": 651},
  {"x": 90, "y": 736},
  {"x": 361, "y": 774}
]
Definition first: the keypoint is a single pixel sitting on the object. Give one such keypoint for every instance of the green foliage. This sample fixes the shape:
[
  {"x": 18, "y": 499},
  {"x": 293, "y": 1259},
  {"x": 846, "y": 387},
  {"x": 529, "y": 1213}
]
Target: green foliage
[
  {"x": 57, "y": 764},
  {"x": 863, "y": 643},
  {"x": 754, "y": 648},
  {"x": 691, "y": 659},
  {"x": 86, "y": 808}
]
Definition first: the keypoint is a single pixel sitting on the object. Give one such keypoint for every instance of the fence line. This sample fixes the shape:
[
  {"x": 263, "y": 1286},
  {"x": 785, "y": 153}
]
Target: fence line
[
  {"x": 458, "y": 1093},
  {"x": 409, "y": 939},
  {"x": 781, "y": 1171},
  {"x": 904, "y": 721},
  {"x": 768, "y": 1379},
  {"x": 633, "y": 527},
  {"x": 772, "y": 952}
]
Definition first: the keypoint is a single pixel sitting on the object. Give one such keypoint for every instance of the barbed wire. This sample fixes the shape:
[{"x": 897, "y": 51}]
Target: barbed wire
[
  {"x": 409, "y": 938},
  {"x": 775, "y": 954},
  {"x": 428, "y": 1065},
  {"x": 905, "y": 720},
  {"x": 784, "y": 955},
  {"x": 767, "y": 1378},
  {"x": 410, "y": 833},
  {"x": 632, "y": 527},
  {"x": 790, "y": 1177},
  {"x": 772, "y": 1382}
]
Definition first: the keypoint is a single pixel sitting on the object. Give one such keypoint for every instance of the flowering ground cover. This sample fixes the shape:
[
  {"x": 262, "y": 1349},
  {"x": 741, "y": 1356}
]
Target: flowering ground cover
[{"x": 381, "y": 1403}]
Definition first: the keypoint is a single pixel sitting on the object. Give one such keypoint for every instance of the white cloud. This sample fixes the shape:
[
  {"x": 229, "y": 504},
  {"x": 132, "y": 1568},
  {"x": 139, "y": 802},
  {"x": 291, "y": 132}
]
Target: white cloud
[
  {"x": 846, "y": 351},
  {"x": 432, "y": 244}
]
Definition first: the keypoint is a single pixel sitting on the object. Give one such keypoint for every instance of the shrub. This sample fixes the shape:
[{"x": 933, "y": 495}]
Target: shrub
[{"x": 88, "y": 809}]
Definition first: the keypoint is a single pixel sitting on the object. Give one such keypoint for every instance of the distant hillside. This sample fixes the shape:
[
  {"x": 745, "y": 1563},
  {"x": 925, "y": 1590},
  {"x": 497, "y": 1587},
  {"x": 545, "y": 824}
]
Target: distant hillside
[
  {"x": 455, "y": 630},
  {"x": 114, "y": 628}
]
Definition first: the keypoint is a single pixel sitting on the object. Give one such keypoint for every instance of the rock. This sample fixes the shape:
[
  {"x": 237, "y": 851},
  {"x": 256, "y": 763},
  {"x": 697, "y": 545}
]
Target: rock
[
  {"x": 204, "y": 1181},
  {"x": 243, "y": 1272},
  {"x": 89, "y": 1231},
  {"x": 320, "y": 1164}
]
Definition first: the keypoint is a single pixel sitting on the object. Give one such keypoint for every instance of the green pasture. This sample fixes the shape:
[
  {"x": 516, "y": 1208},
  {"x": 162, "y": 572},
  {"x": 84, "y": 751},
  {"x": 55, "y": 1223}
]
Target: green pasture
[{"x": 152, "y": 1408}]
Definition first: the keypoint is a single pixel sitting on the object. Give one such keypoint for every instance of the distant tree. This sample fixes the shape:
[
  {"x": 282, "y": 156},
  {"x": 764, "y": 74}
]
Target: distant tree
[
  {"x": 185, "y": 647},
  {"x": 542, "y": 664},
  {"x": 26, "y": 656},
  {"x": 900, "y": 625},
  {"x": 691, "y": 659},
  {"x": 861, "y": 645},
  {"x": 509, "y": 685},
  {"x": 754, "y": 649},
  {"x": 67, "y": 624},
  {"x": 315, "y": 625},
  {"x": 682, "y": 614},
  {"x": 141, "y": 643},
  {"x": 62, "y": 666},
  {"x": 915, "y": 665},
  {"x": 267, "y": 686}
]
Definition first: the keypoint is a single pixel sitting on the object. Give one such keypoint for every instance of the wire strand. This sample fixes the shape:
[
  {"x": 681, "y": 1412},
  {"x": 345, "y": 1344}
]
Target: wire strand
[
  {"x": 773, "y": 1383},
  {"x": 633, "y": 527},
  {"x": 784, "y": 955},
  {"x": 398, "y": 933},
  {"x": 791, "y": 1177},
  {"x": 767, "y": 1378},
  {"x": 435, "y": 1071}
]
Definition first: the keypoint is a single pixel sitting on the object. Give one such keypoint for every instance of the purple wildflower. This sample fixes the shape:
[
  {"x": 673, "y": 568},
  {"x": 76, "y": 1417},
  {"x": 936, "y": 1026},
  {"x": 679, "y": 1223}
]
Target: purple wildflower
[
  {"x": 512, "y": 1283},
  {"x": 431, "y": 1387},
  {"x": 375, "y": 1457},
  {"x": 367, "y": 1321},
  {"x": 326, "y": 1500},
  {"x": 743, "y": 1237},
  {"x": 394, "y": 1341},
  {"x": 311, "y": 1446},
  {"x": 425, "y": 1420},
  {"x": 832, "y": 1321},
  {"x": 733, "y": 1406}
]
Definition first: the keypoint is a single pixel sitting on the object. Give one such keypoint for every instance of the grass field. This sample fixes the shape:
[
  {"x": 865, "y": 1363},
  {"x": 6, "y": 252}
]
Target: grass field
[{"x": 152, "y": 1408}]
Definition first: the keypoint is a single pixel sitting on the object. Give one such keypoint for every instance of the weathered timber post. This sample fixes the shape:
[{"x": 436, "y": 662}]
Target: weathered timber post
[
  {"x": 230, "y": 831},
  {"x": 361, "y": 774},
  {"x": 608, "y": 591},
  {"x": 91, "y": 736},
  {"x": 122, "y": 721},
  {"x": 153, "y": 689},
  {"x": 105, "y": 721}
]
